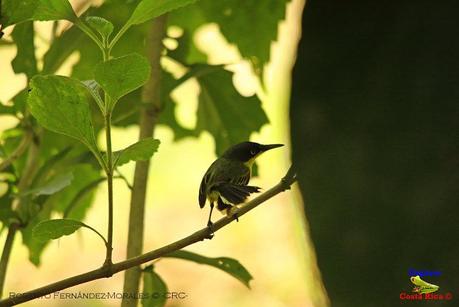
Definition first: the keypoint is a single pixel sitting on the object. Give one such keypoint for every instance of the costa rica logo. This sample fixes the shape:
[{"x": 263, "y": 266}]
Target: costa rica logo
[
  {"x": 421, "y": 286},
  {"x": 424, "y": 290}
]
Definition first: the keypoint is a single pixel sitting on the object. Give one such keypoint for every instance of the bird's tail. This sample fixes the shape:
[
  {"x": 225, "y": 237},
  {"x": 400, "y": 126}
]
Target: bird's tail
[{"x": 235, "y": 193}]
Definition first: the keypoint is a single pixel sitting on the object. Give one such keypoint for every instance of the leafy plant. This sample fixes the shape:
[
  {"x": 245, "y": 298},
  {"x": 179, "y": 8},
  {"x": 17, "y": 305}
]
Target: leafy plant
[{"x": 117, "y": 81}]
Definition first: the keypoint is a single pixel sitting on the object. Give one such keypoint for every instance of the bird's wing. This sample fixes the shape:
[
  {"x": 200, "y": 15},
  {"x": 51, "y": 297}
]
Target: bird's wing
[
  {"x": 232, "y": 186},
  {"x": 235, "y": 193},
  {"x": 202, "y": 189}
]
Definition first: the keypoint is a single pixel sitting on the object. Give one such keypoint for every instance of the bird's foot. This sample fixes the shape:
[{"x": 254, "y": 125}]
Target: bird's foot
[
  {"x": 211, "y": 233},
  {"x": 232, "y": 212}
]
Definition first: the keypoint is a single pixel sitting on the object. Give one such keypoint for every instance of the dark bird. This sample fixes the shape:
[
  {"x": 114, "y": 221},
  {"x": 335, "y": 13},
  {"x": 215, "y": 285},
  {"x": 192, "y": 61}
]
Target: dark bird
[{"x": 225, "y": 182}]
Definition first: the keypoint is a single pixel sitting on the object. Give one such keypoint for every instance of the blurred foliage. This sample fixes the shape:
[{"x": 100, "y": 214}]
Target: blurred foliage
[
  {"x": 375, "y": 127},
  {"x": 228, "y": 265}
]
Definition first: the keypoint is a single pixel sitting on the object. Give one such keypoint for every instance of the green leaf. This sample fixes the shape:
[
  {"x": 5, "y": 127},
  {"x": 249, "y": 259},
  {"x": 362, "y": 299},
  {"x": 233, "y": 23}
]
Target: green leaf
[
  {"x": 168, "y": 118},
  {"x": 223, "y": 112},
  {"x": 229, "y": 265},
  {"x": 154, "y": 287},
  {"x": 35, "y": 247},
  {"x": 15, "y": 11},
  {"x": 122, "y": 75},
  {"x": 189, "y": 19},
  {"x": 61, "y": 104},
  {"x": 186, "y": 52},
  {"x": 251, "y": 25},
  {"x": 20, "y": 100},
  {"x": 54, "y": 229},
  {"x": 168, "y": 84},
  {"x": 49, "y": 167},
  {"x": 149, "y": 9},
  {"x": 57, "y": 183},
  {"x": 235, "y": 17},
  {"x": 25, "y": 61},
  {"x": 80, "y": 202},
  {"x": 101, "y": 25},
  {"x": 142, "y": 150}
]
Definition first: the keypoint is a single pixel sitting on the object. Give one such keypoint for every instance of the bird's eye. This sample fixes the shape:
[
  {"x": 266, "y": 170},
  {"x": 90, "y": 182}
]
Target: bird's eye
[{"x": 253, "y": 152}]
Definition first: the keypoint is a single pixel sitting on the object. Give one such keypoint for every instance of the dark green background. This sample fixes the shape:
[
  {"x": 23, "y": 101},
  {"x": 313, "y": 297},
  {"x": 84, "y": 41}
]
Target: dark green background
[{"x": 375, "y": 126}]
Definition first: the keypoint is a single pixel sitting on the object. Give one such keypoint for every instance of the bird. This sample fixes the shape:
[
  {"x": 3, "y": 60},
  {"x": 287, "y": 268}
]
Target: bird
[{"x": 225, "y": 182}]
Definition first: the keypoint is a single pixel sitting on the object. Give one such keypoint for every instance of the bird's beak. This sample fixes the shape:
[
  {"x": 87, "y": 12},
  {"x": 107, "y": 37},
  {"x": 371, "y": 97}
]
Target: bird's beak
[{"x": 270, "y": 146}]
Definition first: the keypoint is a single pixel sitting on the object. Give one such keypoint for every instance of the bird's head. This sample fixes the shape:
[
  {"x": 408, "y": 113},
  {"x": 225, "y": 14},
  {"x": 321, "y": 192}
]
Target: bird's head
[{"x": 247, "y": 152}]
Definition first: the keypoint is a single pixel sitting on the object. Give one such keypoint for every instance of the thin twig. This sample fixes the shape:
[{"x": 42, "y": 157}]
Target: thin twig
[
  {"x": 122, "y": 177},
  {"x": 26, "y": 178},
  {"x": 108, "y": 271},
  {"x": 6, "y": 253},
  {"x": 18, "y": 151}
]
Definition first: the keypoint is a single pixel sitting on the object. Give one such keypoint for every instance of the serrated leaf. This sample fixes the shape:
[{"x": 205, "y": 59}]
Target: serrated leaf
[
  {"x": 142, "y": 150},
  {"x": 57, "y": 183},
  {"x": 122, "y": 75},
  {"x": 235, "y": 17},
  {"x": 155, "y": 289},
  {"x": 229, "y": 265},
  {"x": 14, "y": 11},
  {"x": 101, "y": 25},
  {"x": 223, "y": 112},
  {"x": 24, "y": 61},
  {"x": 61, "y": 104},
  {"x": 149, "y": 9}
]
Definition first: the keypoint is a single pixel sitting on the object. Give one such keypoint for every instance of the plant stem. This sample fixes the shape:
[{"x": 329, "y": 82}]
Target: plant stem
[
  {"x": 6, "y": 254},
  {"x": 83, "y": 27},
  {"x": 110, "y": 167},
  {"x": 200, "y": 235},
  {"x": 26, "y": 178},
  {"x": 108, "y": 136},
  {"x": 148, "y": 118}
]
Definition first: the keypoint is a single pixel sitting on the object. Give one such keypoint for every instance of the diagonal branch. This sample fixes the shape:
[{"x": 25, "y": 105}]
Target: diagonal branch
[{"x": 200, "y": 235}]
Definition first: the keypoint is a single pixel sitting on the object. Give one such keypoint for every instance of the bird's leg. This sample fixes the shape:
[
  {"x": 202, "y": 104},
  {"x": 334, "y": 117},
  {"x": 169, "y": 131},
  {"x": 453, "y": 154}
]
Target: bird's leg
[{"x": 209, "y": 222}]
